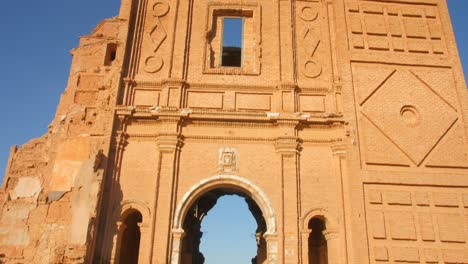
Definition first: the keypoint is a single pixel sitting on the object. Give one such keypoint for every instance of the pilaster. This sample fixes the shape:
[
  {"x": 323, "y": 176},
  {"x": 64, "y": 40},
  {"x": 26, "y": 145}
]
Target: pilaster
[
  {"x": 177, "y": 238},
  {"x": 287, "y": 148},
  {"x": 333, "y": 247},
  {"x": 286, "y": 34},
  {"x": 169, "y": 144},
  {"x": 340, "y": 245},
  {"x": 305, "y": 245}
]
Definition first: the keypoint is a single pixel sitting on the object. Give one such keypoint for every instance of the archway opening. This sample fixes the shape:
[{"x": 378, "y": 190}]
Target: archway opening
[
  {"x": 130, "y": 238},
  {"x": 194, "y": 243},
  {"x": 318, "y": 252}
]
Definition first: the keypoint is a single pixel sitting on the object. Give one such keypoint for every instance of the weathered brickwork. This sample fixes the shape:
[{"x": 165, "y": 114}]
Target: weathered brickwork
[{"x": 344, "y": 129}]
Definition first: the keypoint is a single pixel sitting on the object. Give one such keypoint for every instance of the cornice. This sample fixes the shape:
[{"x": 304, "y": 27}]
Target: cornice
[{"x": 134, "y": 113}]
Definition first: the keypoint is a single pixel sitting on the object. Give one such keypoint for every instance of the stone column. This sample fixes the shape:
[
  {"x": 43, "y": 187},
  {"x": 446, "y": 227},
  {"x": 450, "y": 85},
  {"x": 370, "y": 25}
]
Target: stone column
[
  {"x": 171, "y": 94},
  {"x": 288, "y": 97},
  {"x": 165, "y": 182},
  {"x": 288, "y": 149},
  {"x": 339, "y": 156},
  {"x": 305, "y": 245},
  {"x": 333, "y": 246},
  {"x": 272, "y": 248},
  {"x": 177, "y": 239},
  {"x": 115, "y": 242},
  {"x": 286, "y": 42},
  {"x": 107, "y": 243},
  {"x": 145, "y": 238}
]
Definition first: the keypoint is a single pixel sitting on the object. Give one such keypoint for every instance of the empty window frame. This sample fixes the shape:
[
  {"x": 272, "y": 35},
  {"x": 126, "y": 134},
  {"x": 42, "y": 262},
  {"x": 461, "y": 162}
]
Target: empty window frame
[
  {"x": 111, "y": 54},
  {"x": 232, "y": 42},
  {"x": 233, "y": 39}
]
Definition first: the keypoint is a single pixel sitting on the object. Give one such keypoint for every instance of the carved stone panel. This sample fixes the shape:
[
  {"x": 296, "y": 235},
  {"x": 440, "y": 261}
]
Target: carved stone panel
[
  {"x": 412, "y": 224},
  {"x": 312, "y": 41},
  {"x": 227, "y": 159},
  {"x": 408, "y": 117},
  {"x": 155, "y": 37},
  {"x": 406, "y": 27}
]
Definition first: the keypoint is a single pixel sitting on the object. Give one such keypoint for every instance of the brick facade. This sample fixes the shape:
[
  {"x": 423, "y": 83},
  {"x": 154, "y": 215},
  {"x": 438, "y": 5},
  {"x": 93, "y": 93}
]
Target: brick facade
[{"x": 344, "y": 129}]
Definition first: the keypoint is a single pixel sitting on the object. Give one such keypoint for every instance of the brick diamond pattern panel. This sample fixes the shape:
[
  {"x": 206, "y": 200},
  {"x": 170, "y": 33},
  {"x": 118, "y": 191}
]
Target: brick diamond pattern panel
[{"x": 410, "y": 112}]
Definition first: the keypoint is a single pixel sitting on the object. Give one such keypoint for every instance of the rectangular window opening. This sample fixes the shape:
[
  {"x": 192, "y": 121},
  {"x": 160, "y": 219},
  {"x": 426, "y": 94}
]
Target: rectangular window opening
[
  {"x": 111, "y": 54},
  {"x": 232, "y": 42}
]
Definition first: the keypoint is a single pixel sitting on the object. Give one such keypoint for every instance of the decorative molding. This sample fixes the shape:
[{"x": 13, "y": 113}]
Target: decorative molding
[
  {"x": 228, "y": 159},
  {"x": 309, "y": 14},
  {"x": 396, "y": 29},
  {"x": 158, "y": 35}
]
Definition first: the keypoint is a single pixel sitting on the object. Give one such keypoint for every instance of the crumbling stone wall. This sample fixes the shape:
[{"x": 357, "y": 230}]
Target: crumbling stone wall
[{"x": 50, "y": 191}]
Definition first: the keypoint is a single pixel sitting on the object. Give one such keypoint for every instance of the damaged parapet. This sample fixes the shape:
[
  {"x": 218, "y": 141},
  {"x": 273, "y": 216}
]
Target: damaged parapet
[{"x": 51, "y": 187}]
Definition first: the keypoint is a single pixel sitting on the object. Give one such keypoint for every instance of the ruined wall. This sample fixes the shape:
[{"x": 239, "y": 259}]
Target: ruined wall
[
  {"x": 350, "y": 111},
  {"x": 50, "y": 191}
]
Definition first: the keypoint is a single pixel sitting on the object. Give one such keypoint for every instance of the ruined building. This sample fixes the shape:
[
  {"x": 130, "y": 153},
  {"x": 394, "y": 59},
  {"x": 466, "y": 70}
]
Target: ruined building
[{"x": 343, "y": 124}]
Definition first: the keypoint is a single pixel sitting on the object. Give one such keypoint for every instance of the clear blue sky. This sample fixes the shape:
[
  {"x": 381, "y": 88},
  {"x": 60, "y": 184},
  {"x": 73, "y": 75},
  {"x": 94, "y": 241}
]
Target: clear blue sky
[{"x": 36, "y": 37}]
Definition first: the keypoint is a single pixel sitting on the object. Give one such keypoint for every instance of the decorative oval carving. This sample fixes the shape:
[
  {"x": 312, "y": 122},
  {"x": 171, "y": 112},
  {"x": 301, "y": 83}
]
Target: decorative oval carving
[
  {"x": 153, "y": 64},
  {"x": 312, "y": 69},
  {"x": 160, "y": 9},
  {"x": 309, "y": 13}
]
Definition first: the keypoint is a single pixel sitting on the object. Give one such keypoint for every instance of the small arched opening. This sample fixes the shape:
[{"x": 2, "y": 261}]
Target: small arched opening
[
  {"x": 130, "y": 235},
  {"x": 318, "y": 250}
]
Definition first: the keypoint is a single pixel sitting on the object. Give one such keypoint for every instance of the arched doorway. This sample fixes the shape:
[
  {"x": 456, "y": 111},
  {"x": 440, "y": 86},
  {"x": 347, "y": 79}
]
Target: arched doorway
[
  {"x": 190, "y": 253},
  {"x": 129, "y": 238},
  {"x": 201, "y": 198}
]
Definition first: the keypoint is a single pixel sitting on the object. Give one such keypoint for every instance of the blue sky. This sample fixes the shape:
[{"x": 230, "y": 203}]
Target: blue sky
[{"x": 36, "y": 37}]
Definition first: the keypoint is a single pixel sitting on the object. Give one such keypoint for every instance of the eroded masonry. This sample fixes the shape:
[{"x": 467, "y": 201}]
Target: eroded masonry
[{"x": 343, "y": 124}]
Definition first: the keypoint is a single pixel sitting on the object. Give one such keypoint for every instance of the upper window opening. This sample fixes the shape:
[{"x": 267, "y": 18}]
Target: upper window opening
[
  {"x": 232, "y": 42},
  {"x": 111, "y": 54}
]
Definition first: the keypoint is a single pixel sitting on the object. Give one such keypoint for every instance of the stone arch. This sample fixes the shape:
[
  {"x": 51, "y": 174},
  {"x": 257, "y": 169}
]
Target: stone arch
[
  {"x": 231, "y": 181},
  {"x": 129, "y": 237},
  {"x": 321, "y": 247},
  {"x": 330, "y": 223},
  {"x": 236, "y": 183},
  {"x": 129, "y": 205}
]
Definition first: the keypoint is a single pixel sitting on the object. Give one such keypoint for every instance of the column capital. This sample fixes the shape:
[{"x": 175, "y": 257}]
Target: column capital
[
  {"x": 270, "y": 236},
  {"x": 169, "y": 142},
  {"x": 330, "y": 235},
  {"x": 287, "y": 145},
  {"x": 121, "y": 139},
  {"x": 339, "y": 149},
  {"x": 287, "y": 86},
  {"x": 178, "y": 233}
]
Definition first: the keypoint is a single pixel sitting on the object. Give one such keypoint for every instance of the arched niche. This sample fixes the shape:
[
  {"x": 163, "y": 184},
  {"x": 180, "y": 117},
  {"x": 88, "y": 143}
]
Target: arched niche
[
  {"x": 129, "y": 237},
  {"x": 216, "y": 187},
  {"x": 330, "y": 222},
  {"x": 129, "y": 208},
  {"x": 320, "y": 238}
]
